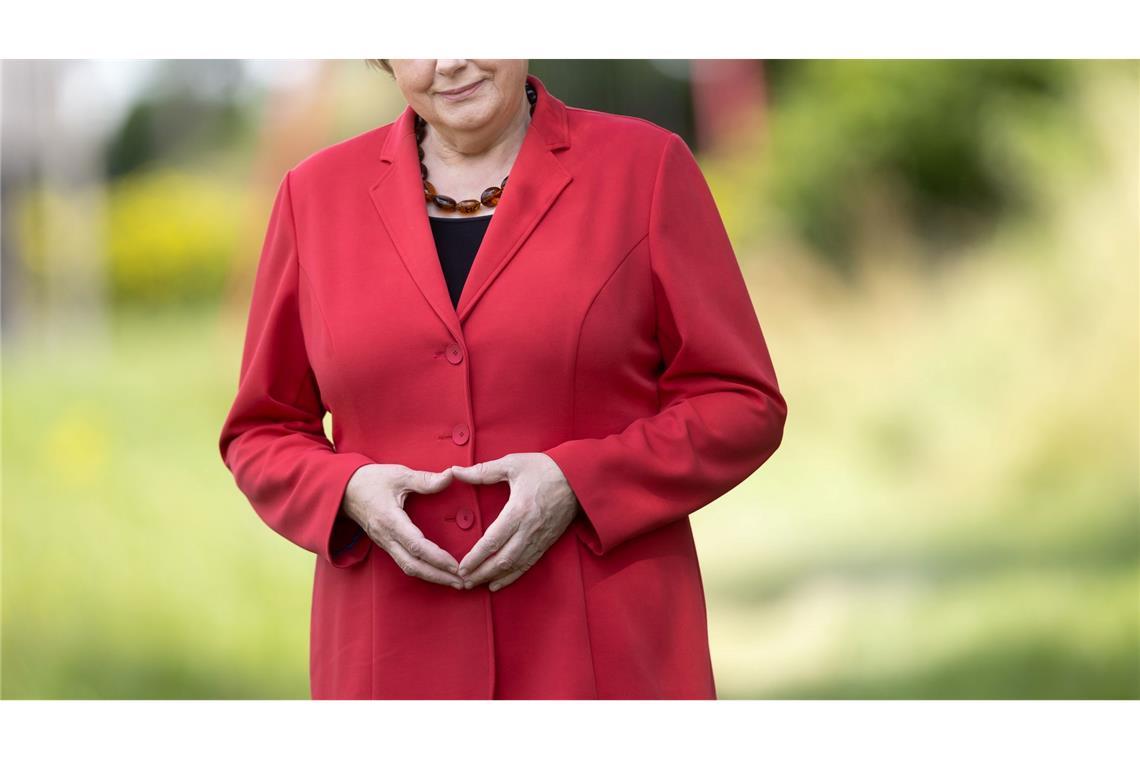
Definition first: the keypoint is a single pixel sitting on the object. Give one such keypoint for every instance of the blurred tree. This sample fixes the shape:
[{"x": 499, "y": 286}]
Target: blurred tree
[
  {"x": 935, "y": 136},
  {"x": 189, "y": 107},
  {"x": 657, "y": 90},
  {"x": 136, "y": 142}
]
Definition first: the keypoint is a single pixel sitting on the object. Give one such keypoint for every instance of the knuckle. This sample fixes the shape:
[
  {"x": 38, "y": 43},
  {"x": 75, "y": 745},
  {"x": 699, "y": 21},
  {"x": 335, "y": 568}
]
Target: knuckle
[
  {"x": 504, "y": 564},
  {"x": 415, "y": 547}
]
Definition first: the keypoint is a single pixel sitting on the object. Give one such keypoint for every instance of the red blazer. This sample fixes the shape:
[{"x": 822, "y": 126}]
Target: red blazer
[{"x": 604, "y": 322}]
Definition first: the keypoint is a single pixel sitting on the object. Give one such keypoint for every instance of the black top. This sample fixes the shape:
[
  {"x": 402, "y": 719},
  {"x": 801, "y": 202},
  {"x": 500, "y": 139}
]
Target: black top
[{"x": 457, "y": 240}]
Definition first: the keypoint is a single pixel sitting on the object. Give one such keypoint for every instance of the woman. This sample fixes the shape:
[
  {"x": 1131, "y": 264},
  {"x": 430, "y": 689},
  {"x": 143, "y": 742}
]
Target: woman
[{"x": 503, "y": 509}]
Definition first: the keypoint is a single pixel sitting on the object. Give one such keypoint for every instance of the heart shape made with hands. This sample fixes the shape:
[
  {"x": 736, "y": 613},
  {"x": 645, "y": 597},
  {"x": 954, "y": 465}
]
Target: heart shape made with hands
[{"x": 540, "y": 508}]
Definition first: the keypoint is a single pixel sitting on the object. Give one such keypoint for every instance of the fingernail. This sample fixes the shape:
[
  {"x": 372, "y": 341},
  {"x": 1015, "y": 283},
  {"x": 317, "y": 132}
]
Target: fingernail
[
  {"x": 467, "y": 584},
  {"x": 494, "y": 586},
  {"x": 457, "y": 586}
]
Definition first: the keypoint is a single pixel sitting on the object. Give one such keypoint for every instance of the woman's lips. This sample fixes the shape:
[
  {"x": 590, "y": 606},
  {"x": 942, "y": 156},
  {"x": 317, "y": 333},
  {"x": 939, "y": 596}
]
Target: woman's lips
[{"x": 460, "y": 94}]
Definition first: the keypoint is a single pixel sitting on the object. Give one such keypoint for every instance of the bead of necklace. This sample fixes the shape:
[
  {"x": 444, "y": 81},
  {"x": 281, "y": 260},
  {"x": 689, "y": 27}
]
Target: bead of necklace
[{"x": 489, "y": 197}]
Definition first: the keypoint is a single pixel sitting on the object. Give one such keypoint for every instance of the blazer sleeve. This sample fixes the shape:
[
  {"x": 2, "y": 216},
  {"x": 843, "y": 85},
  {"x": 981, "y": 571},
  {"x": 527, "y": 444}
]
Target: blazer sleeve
[
  {"x": 721, "y": 411},
  {"x": 273, "y": 439}
]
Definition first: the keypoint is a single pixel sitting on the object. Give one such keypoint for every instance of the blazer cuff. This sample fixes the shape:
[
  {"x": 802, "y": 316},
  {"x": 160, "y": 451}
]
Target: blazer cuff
[
  {"x": 592, "y": 526},
  {"x": 346, "y": 543}
]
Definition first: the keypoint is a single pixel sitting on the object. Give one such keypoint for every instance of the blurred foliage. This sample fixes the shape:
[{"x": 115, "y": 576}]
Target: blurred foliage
[
  {"x": 939, "y": 152},
  {"x": 188, "y": 107},
  {"x": 946, "y": 146},
  {"x": 955, "y": 509},
  {"x": 657, "y": 90},
  {"x": 170, "y": 234}
]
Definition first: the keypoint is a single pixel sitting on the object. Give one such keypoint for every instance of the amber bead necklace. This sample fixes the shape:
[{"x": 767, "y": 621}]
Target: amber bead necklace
[{"x": 489, "y": 197}]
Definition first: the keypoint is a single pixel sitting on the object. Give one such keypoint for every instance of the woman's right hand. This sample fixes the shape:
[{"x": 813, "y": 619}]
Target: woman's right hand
[{"x": 374, "y": 499}]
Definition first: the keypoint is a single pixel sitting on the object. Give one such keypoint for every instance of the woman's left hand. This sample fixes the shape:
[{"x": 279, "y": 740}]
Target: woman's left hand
[{"x": 540, "y": 508}]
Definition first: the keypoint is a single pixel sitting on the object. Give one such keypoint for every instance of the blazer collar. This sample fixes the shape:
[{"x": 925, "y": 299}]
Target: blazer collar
[{"x": 536, "y": 179}]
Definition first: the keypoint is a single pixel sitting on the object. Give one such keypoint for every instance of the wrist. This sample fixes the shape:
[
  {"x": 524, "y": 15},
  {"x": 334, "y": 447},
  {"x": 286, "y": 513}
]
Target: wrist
[{"x": 349, "y": 500}]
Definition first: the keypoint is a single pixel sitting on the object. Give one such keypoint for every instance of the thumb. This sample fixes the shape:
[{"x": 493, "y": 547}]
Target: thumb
[
  {"x": 423, "y": 481},
  {"x": 491, "y": 471}
]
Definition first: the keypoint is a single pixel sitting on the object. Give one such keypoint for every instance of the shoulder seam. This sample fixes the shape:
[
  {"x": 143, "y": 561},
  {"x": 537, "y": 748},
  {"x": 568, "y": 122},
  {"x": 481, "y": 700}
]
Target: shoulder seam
[
  {"x": 339, "y": 143},
  {"x": 622, "y": 116}
]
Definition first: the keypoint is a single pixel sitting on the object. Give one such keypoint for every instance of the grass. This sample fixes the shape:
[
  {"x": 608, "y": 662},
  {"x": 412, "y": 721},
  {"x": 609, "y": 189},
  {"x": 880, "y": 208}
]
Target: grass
[{"x": 132, "y": 566}]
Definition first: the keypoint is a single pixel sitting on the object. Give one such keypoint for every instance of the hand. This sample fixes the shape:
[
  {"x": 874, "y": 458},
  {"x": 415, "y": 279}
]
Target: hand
[
  {"x": 540, "y": 508},
  {"x": 374, "y": 498}
]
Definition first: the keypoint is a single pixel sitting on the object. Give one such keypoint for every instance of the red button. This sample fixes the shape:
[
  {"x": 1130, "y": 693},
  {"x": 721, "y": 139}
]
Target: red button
[
  {"x": 464, "y": 518},
  {"x": 459, "y": 434},
  {"x": 454, "y": 353}
]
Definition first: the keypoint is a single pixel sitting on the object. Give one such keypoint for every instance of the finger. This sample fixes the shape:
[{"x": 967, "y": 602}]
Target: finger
[
  {"x": 498, "y": 533},
  {"x": 417, "y": 568},
  {"x": 530, "y": 557},
  {"x": 491, "y": 471},
  {"x": 501, "y": 563},
  {"x": 422, "y": 481},
  {"x": 412, "y": 540},
  {"x": 507, "y": 580}
]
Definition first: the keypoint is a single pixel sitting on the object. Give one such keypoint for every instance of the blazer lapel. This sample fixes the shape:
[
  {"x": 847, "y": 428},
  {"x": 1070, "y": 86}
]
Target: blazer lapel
[{"x": 536, "y": 179}]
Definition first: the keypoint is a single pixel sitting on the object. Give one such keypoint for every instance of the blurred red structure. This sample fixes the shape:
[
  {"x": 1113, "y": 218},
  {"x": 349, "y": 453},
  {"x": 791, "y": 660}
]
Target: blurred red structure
[{"x": 728, "y": 100}]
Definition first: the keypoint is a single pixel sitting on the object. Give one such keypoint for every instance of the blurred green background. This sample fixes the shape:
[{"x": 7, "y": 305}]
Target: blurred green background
[{"x": 944, "y": 256}]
